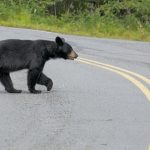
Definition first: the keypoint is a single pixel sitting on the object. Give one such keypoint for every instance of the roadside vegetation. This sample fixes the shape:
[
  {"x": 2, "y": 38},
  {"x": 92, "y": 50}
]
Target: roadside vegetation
[{"x": 124, "y": 19}]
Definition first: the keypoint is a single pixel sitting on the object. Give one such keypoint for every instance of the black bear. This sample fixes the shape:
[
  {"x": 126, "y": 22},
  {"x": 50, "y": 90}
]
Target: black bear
[{"x": 18, "y": 54}]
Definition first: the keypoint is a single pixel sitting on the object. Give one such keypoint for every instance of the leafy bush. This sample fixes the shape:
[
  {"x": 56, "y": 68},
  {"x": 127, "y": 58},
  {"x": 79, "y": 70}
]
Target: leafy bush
[
  {"x": 138, "y": 8},
  {"x": 102, "y": 18}
]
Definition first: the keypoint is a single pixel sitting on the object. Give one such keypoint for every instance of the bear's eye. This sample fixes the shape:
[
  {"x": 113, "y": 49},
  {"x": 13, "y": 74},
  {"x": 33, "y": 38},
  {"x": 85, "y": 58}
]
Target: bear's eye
[{"x": 67, "y": 48}]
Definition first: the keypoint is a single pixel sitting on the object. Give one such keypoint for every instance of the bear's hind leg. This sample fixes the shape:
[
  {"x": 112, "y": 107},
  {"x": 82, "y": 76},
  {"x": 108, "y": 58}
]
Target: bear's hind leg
[
  {"x": 44, "y": 80},
  {"x": 7, "y": 83}
]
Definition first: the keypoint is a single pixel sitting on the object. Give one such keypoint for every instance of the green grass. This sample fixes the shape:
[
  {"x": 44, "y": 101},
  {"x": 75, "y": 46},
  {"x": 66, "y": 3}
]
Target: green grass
[{"x": 83, "y": 24}]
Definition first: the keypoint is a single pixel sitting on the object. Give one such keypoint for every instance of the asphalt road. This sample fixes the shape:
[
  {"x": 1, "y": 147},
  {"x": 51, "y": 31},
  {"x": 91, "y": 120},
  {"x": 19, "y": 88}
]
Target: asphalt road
[{"x": 92, "y": 106}]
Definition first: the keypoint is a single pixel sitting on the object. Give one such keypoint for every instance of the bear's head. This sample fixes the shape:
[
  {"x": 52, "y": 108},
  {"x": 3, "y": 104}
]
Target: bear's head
[{"x": 64, "y": 50}]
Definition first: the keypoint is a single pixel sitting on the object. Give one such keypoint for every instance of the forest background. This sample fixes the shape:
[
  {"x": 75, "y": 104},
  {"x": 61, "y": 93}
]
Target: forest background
[{"x": 123, "y": 19}]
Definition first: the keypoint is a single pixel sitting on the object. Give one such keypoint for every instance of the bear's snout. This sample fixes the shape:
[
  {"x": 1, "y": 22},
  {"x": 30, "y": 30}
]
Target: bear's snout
[{"x": 72, "y": 55}]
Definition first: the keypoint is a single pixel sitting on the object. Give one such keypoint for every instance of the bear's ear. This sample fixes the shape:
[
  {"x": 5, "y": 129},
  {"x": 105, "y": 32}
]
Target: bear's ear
[{"x": 59, "y": 41}]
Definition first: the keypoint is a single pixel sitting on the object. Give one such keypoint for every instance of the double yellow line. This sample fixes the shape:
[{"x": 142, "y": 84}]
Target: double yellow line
[{"x": 129, "y": 75}]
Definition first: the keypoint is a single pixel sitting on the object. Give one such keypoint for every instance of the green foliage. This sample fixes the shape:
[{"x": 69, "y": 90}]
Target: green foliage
[
  {"x": 139, "y": 8},
  {"x": 103, "y": 18}
]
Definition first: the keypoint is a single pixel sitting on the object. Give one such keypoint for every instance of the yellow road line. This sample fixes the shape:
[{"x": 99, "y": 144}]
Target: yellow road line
[
  {"x": 120, "y": 69},
  {"x": 145, "y": 90}
]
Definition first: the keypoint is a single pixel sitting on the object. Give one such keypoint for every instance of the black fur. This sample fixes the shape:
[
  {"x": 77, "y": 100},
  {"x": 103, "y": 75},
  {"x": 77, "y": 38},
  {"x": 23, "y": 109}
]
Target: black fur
[{"x": 27, "y": 54}]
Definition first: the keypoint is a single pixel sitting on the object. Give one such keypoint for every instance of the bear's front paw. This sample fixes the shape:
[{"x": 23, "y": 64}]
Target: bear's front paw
[
  {"x": 49, "y": 85},
  {"x": 35, "y": 91}
]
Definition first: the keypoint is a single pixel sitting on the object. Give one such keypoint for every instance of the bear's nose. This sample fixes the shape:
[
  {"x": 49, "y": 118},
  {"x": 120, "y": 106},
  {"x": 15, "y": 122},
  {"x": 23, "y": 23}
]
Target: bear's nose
[
  {"x": 72, "y": 55},
  {"x": 76, "y": 55}
]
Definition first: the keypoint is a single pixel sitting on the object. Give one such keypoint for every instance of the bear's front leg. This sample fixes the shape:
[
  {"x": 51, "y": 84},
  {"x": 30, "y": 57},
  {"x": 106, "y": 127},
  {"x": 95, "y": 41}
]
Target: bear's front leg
[
  {"x": 44, "y": 80},
  {"x": 33, "y": 76}
]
